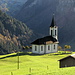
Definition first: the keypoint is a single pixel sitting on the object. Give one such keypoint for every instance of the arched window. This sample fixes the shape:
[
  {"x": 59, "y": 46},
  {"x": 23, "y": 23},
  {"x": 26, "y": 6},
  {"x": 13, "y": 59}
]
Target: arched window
[
  {"x": 55, "y": 32},
  {"x": 35, "y": 48},
  {"x": 51, "y": 32},
  {"x": 41, "y": 48},
  {"x": 54, "y": 46},
  {"x": 48, "y": 47}
]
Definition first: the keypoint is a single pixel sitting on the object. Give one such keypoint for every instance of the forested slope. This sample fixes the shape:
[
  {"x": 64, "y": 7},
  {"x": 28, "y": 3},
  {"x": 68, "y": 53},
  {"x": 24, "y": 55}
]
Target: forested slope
[{"x": 13, "y": 34}]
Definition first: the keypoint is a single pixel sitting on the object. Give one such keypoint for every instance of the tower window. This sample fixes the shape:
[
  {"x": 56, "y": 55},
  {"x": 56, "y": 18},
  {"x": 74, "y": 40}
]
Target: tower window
[
  {"x": 51, "y": 32},
  {"x": 55, "y": 32}
]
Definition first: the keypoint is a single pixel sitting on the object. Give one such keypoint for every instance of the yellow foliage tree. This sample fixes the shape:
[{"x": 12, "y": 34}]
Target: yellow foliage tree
[
  {"x": 67, "y": 47},
  {"x": 59, "y": 48}
]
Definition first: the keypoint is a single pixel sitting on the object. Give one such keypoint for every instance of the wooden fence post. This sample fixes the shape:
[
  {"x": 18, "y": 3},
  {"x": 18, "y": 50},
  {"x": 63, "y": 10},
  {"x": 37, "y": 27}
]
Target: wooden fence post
[
  {"x": 18, "y": 61},
  {"x": 47, "y": 68},
  {"x": 30, "y": 70},
  {"x": 11, "y": 73}
]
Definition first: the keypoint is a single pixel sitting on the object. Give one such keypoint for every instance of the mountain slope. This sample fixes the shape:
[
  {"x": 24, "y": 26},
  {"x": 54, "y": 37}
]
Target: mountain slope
[
  {"x": 13, "y": 34},
  {"x": 38, "y": 14},
  {"x": 11, "y": 7}
]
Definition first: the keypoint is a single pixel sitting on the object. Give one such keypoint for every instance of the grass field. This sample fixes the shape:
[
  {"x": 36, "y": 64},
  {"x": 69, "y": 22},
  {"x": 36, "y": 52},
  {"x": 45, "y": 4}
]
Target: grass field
[{"x": 33, "y": 65}]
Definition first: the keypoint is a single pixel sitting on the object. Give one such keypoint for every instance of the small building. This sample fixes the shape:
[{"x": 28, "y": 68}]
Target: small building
[
  {"x": 47, "y": 44},
  {"x": 68, "y": 61}
]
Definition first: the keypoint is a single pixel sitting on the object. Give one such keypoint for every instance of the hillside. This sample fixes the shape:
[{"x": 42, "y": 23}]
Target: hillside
[
  {"x": 38, "y": 14},
  {"x": 11, "y": 7},
  {"x": 33, "y": 65},
  {"x": 13, "y": 34}
]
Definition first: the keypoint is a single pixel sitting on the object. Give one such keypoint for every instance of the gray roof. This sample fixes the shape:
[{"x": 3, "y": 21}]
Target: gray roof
[
  {"x": 44, "y": 40},
  {"x": 73, "y": 56}
]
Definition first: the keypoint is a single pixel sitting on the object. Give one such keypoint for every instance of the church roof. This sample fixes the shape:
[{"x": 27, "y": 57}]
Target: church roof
[
  {"x": 53, "y": 22},
  {"x": 44, "y": 40}
]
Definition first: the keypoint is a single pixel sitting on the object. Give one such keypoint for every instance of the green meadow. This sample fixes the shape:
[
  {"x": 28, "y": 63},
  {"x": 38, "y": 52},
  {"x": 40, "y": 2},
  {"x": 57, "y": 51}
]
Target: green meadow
[{"x": 30, "y": 64}]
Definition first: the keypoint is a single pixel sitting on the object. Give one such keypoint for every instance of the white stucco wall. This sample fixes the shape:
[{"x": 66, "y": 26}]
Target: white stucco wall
[
  {"x": 53, "y": 32},
  {"x": 42, "y": 51},
  {"x": 44, "y": 48},
  {"x": 48, "y": 50},
  {"x": 37, "y": 49},
  {"x": 54, "y": 50},
  {"x": 51, "y": 48}
]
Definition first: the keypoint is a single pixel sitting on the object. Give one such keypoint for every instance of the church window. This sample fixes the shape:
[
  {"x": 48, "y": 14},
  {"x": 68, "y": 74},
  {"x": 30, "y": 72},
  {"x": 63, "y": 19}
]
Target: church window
[
  {"x": 41, "y": 48},
  {"x": 54, "y": 46},
  {"x": 48, "y": 47},
  {"x": 35, "y": 48}
]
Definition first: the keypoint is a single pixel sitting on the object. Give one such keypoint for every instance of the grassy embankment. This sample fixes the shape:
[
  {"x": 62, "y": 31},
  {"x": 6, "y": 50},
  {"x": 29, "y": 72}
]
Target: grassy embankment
[{"x": 33, "y": 65}]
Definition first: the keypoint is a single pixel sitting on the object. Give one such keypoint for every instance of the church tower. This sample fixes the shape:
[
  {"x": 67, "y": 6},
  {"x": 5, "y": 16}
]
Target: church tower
[
  {"x": 47, "y": 44},
  {"x": 53, "y": 29}
]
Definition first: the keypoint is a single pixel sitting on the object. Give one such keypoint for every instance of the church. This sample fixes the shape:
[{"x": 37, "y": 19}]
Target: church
[{"x": 47, "y": 44}]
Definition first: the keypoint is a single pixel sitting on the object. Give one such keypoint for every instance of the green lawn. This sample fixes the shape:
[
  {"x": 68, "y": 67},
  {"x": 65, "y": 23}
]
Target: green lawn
[{"x": 33, "y": 65}]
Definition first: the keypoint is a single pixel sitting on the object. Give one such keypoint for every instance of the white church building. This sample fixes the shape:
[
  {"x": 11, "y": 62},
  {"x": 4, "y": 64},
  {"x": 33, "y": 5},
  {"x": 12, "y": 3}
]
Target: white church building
[{"x": 47, "y": 44}]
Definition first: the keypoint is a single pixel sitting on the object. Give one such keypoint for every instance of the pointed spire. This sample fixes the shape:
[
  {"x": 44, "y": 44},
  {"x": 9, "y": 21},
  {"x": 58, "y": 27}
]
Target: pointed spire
[{"x": 53, "y": 22}]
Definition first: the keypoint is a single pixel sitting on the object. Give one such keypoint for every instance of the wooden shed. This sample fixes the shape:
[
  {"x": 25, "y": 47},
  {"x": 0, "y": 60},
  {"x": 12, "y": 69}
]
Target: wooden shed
[{"x": 67, "y": 61}]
